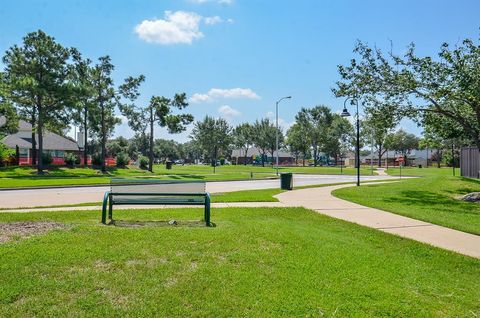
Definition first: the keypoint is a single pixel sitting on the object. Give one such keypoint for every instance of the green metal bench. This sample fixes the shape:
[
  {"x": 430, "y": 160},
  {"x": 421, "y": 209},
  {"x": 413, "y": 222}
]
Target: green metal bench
[{"x": 155, "y": 192}]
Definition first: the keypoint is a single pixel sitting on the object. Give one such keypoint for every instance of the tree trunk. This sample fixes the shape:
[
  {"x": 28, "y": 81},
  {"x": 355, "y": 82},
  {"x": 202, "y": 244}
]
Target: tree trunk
[
  {"x": 104, "y": 139},
  {"x": 439, "y": 158},
  {"x": 34, "y": 138},
  {"x": 380, "y": 156},
  {"x": 40, "y": 138},
  {"x": 150, "y": 152},
  {"x": 315, "y": 150},
  {"x": 85, "y": 136},
  {"x": 246, "y": 156}
]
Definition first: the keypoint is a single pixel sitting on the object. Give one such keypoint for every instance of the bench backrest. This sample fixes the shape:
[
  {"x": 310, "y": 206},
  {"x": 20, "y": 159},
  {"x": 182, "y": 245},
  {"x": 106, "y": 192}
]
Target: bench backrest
[{"x": 156, "y": 186}]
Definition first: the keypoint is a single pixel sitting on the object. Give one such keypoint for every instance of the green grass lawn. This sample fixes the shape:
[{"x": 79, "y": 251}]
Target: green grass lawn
[
  {"x": 13, "y": 177},
  {"x": 433, "y": 199},
  {"x": 264, "y": 262},
  {"x": 422, "y": 172}
]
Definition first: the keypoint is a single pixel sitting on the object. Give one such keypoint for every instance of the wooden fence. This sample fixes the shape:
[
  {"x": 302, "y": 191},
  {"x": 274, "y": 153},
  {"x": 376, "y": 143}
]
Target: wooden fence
[{"x": 470, "y": 162}]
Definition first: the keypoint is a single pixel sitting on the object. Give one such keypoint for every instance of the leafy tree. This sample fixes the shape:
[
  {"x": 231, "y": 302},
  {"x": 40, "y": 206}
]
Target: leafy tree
[
  {"x": 84, "y": 97},
  {"x": 317, "y": 122},
  {"x": 339, "y": 136},
  {"x": 403, "y": 143},
  {"x": 106, "y": 98},
  {"x": 243, "y": 137},
  {"x": 37, "y": 75},
  {"x": 166, "y": 149},
  {"x": 116, "y": 146},
  {"x": 191, "y": 151},
  {"x": 160, "y": 112},
  {"x": 138, "y": 146},
  {"x": 447, "y": 87},
  {"x": 212, "y": 136},
  {"x": 298, "y": 142},
  {"x": 7, "y": 110},
  {"x": 263, "y": 136}
]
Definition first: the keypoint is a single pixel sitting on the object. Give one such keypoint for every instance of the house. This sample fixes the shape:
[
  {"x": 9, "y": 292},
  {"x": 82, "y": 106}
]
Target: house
[
  {"x": 58, "y": 146},
  {"x": 391, "y": 158},
  {"x": 254, "y": 156}
]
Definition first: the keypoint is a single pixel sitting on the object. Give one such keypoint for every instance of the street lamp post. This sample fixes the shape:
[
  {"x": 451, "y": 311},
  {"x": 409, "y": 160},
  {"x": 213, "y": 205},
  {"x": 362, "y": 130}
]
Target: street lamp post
[
  {"x": 345, "y": 113},
  {"x": 276, "y": 125}
]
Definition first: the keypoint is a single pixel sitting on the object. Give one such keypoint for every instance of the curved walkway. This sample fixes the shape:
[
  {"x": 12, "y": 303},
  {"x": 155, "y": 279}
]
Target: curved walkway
[{"x": 322, "y": 201}]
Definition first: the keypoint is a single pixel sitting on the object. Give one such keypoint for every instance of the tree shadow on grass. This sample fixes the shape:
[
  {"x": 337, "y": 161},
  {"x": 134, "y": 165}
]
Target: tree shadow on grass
[{"x": 425, "y": 199}]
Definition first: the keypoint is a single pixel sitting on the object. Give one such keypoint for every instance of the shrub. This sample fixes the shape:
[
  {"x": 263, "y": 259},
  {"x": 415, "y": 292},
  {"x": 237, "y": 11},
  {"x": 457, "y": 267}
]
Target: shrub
[
  {"x": 47, "y": 158},
  {"x": 122, "y": 160},
  {"x": 97, "y": 160},
  {"x": 72, "y": 159},
  {"x": 143, "y": 162},
  {"x": 5, "y": 154}
]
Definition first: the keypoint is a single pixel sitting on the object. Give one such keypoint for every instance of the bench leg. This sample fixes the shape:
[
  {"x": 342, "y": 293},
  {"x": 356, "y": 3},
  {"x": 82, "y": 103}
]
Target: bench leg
[
  {"x": 104, "y": 207},
  {"x": 110, "y": 209},
  {"x": 207, "y": 209}
]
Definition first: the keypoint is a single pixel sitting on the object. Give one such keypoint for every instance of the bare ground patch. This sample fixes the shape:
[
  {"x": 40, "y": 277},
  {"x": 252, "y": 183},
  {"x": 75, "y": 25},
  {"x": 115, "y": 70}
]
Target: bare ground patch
[{"x": 14, "y": 230}]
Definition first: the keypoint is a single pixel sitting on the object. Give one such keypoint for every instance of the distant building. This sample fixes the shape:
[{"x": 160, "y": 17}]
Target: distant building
[
  {"x": 415, "y": 158},
  {"x": 58, "y": 146},
  {"x": 254, "y": 156}
]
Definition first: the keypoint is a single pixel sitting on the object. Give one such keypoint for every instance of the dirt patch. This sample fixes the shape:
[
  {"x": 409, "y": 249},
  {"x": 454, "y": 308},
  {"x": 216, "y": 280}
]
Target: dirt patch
[{"x": 15, "y": 230}]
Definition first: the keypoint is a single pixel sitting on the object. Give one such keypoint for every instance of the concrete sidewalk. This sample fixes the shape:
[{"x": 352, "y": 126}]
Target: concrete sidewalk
[{"x": 322, "y": 201}]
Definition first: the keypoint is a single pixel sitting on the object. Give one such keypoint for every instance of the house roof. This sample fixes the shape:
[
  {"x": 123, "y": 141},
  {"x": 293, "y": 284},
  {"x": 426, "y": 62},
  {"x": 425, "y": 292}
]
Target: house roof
[
  {"x": 51, "y": 141},
  {"x": 255, "y": 151}
]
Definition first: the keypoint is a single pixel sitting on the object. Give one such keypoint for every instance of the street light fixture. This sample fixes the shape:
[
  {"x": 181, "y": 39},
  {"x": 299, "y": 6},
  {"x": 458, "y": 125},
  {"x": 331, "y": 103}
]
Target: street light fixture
[
  {"x": 276, "y": 125},
  {"x": 345, "y": 113}
]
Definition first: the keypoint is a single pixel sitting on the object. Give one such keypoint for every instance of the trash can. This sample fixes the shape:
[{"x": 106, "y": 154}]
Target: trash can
[
  {"x": 420, "y": 166},
  {"x": 168, "y": 165},
  {"x": 286, "y": 181}
]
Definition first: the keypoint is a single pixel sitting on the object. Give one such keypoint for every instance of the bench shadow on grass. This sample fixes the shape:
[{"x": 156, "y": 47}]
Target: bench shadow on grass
[{"x": 160, "y": 223}]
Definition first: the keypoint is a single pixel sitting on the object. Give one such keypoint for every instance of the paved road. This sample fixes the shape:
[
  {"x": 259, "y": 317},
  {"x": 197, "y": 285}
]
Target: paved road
[{"x": 74, "y": 195}]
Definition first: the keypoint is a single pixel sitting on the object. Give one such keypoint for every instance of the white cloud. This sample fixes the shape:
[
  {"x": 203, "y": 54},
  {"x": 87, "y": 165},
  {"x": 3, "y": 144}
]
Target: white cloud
[
  {"x": 228, "y": 112},
  {"x": 213, "y": 20},
  {"x": 177, "y": 27},
  {"x": 219, "y": 93}
]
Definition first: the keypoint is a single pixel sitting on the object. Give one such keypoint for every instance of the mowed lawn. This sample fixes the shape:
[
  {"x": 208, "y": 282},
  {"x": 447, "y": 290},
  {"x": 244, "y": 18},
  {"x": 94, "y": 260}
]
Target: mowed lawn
[
  {"x": 434, "y": 198},
  {"x": 261, "y": 262},
  {"x": 13, "y": 177}
]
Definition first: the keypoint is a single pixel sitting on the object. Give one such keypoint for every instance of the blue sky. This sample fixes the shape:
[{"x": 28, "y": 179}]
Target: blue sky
[{"x": 235, "y": 58}]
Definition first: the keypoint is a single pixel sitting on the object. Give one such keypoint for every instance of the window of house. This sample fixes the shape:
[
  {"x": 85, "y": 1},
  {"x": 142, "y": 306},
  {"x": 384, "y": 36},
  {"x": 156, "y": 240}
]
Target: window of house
[{"x": 23, "y": 152}]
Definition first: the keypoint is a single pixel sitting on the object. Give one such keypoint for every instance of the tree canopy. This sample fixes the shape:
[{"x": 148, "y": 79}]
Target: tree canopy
[{"x": 446, "y": 87}]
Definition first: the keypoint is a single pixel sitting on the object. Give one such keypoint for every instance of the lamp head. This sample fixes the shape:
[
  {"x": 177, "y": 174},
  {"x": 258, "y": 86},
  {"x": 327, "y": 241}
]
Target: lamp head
[{"x": 345, "y": 113}]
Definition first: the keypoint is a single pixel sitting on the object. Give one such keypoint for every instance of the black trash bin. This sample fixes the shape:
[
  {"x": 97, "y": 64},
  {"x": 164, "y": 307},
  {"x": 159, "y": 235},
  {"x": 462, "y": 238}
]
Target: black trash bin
[
  {"x": 286, "y": 181},
  {"x": 420, "y": 166},
  {"x": 168, "y": 165}
]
